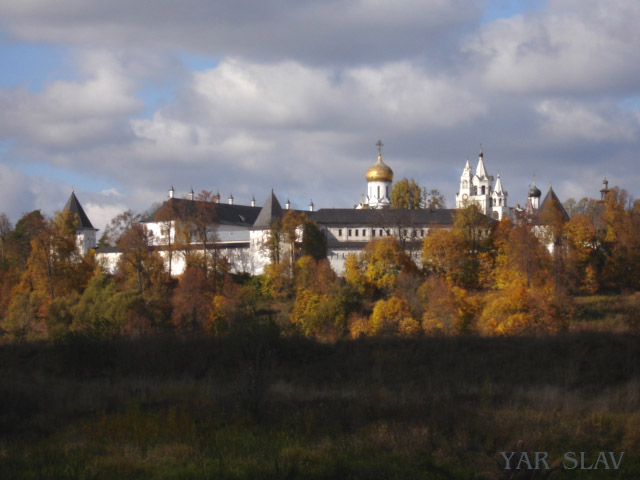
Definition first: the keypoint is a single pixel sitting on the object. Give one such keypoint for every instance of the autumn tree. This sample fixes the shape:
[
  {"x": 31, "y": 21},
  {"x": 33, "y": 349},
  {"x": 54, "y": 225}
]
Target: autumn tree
[
  {"x": 525, "y": 299},
  {"x": 68, "y": 270},
  {"x": 377, "y": 267},
  {"x": 518, "y": 309},
  {"x": 292, "y": 221},
  {"x": 28, "y": 228},
  {"x": 461, "y": 254},
  {"x": 273, "y": 241},
  {"x": 584, "y": 206},
  {"x": 406, "y": 194},
  {"x": 392, "y": 316},
  {"x": 323, "y": 302},
  {"x": 168, "y": 216},
  {"x": 473, "y": 224},
  {"x": 203, "y": 223},
  {"x": 192, "y": 302},
  {"x": 313, "y": 274},
  {"x": 5, "y": 230},
  {"x": 136, "y": 260},
  {"x": 519, "y": 250},
  {"x": 321, "y": 315},
  {"x": 433, "y": 199},
  {"x": 314, "y": 241},
  {"x": 447, "y": 310},
  {"x": 551, "y": 221},
  {"x": 53, "y": 269},
  {"x": 227, "y": 306},
  {"x": 445, "y": 253},
  {"x": 118, "y": 226},
  {"x": 103, "y": 311},
  {"x": 582, "y": 254},
  {"x": 619, "y": 241}
]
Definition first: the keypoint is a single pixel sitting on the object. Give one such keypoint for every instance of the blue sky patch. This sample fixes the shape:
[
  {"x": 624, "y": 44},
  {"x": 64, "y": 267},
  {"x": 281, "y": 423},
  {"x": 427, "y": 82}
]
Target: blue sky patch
[
  {"x": 509, "y": 8},
  {"x": 89, "y": 182},
  {"x": 33, "y": 65}
]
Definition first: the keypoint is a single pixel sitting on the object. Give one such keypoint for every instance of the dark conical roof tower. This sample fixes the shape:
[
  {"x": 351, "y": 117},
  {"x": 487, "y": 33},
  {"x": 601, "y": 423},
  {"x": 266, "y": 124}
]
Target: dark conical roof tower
[
  {"x": 73, "y": 206},
  {"x": 270, "y": 211},
  {"x": 552, "y": 198}
]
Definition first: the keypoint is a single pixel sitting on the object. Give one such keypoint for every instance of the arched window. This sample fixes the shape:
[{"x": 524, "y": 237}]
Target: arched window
[
  {"x": 482, "y": 190},
  {"x": 475, "y": 189},
  {"x": 465, "y": 184},
  {"x": 378, "y": 192}
]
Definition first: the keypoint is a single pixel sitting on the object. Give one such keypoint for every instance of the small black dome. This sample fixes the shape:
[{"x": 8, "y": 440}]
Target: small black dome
[{"x": 534, "y": 191}]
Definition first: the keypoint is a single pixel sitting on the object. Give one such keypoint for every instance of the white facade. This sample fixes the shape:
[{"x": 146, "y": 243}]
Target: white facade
[
  {"x": 477, "y": 188},
  {"x": 85, "y": 240},
  {"x": 378, "y": 194}
]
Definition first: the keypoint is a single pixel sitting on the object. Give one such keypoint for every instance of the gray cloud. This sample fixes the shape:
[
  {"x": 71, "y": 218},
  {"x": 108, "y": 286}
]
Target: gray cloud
[
  {"x": 336, "y": 31},
  {"x": 303, "y": 90}
]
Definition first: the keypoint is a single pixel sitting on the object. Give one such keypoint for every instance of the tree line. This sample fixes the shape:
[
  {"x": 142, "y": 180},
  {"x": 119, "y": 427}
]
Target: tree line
[{"x": 482, "y": 276}]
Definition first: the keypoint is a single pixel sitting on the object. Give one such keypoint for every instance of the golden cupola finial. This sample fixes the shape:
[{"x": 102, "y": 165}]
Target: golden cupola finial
[{"x": 380, "y": 172}]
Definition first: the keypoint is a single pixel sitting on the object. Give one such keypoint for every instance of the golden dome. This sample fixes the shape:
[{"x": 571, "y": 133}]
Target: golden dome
[{"x": 379, "y": 172}]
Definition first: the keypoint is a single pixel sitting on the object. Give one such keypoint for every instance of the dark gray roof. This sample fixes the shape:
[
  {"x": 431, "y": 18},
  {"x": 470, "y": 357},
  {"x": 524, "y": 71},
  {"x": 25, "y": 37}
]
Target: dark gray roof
[
  {"x": 73, "y": 206},
  {"x": 270, "y": 211},
  {"x": 224, "y": 213},
  {"x": 548, "y": 199},
  {"x": 383, "y": 217}
]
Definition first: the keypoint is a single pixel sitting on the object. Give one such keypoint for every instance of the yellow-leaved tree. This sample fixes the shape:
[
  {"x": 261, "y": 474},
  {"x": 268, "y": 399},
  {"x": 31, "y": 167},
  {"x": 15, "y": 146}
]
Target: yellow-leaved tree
[
  {"x": 377, "y": 267},
  {"x": 518, "y": 309},
  {"x": 392, "y": 316}
]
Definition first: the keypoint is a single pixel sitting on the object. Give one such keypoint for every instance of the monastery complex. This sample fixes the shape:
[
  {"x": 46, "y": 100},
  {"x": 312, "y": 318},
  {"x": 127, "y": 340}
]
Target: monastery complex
[{"x": 240, "y": 231}]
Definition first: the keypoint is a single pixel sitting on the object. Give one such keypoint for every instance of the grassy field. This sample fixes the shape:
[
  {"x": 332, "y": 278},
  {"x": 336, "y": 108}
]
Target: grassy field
[{"x": 255, "y": 405}]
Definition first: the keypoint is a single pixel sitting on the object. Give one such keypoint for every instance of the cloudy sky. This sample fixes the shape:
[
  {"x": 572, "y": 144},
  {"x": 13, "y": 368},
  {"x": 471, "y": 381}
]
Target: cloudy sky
[{"x": 122, "y": 99}]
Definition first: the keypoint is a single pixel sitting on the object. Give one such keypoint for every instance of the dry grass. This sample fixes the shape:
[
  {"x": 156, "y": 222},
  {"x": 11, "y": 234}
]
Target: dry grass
[{"x": 375, "y": 408}]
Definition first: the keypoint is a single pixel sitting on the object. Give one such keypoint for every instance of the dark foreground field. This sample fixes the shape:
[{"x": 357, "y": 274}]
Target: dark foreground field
[{"x": 258, "y": 406}]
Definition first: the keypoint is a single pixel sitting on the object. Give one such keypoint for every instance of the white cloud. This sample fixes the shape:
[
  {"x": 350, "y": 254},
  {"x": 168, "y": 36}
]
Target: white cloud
[
  {"x": 69, "y": 114},
  {"x": 567, "y": 121},
  {"x": 302, "y": 90},
  {"x": 570, "y": 46}
]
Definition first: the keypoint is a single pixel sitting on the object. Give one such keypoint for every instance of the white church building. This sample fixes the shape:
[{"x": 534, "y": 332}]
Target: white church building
[{"x": 477, "y": 188}]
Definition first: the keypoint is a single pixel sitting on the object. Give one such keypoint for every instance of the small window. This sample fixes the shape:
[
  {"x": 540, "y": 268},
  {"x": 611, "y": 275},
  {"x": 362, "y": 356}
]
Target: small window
[
  {"x": 373, "y": 232},
  {"x": 340, "y": 232},
  {"x": 356, "y": 232},
  {"x": 422, "y": 232},
  {"x": 380, "y": 232},
  {"x": 364, "y": 232},
  {"x": 349, "y": 232}
]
